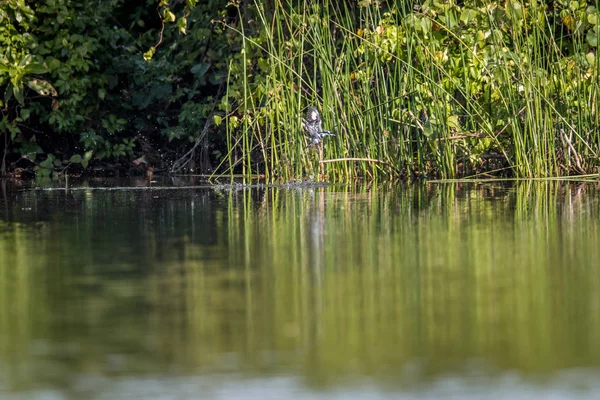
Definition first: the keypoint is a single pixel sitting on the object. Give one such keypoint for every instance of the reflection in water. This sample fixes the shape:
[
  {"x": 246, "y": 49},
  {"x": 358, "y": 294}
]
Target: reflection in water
[{"x": 339, "y": 290}]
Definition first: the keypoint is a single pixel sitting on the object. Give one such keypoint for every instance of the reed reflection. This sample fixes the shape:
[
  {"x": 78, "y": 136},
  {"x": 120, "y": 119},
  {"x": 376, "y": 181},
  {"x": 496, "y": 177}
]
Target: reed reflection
[{"x": 398, "y": 284}]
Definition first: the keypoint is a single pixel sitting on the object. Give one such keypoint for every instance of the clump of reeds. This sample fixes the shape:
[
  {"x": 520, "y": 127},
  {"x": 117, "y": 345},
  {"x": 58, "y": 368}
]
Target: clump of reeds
[{"x": 417, "y": 90}]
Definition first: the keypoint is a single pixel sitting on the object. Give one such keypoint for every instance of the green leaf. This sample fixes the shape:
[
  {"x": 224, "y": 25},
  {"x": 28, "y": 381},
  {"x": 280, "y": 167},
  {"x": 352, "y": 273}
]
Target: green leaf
[
  {"x": 149, "y": 54},
  {"x": 53, "y": 64},
  {"x": 168, "y": 15},
  {"x": 42, "y": 172},
  {"x": 88, "y": 155},
  {"x": 25, "y": 60},
  {"x": 467, "y": 15},
  {"x": 592, "y": 38},
  {"x": 8, "y": 93},
  {"x": 182, "y": 24},
  {"x": 25, "y": 112},
  {"x": 76, "y": 159},
  {"x": 36, "y": 68},
  {"x": 590, "y": 58},
  {"x": 263, "y": 64},
  {"x": 200, "y": 69},
  {"x": 217, "y": 119},
  {"x": 48, "y": 163},
  {"x": 18, "y": 93},
  {"x": 453, "y": 122}
]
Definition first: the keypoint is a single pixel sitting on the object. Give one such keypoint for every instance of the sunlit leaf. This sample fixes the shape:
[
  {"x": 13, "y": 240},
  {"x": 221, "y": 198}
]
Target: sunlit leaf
[
  {"x": 590, "y": 58},
  {"x": 168, "y": 15},
  {"x": 25, "y": 60},
  {"x": 453, "y": 122},
  {"x": 569, "y": 22},
  {"x": 467, "y": 15},
  {"x": 182, "y": 24},
  {"x": 217, "y": 119},
  {"x": 42, "y": 87},
  {"x": 149, "y": 54}
]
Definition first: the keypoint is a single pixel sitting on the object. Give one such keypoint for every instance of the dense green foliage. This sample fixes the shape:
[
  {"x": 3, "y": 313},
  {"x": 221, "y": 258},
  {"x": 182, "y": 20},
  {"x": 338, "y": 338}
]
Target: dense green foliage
[
  {"x": 106, "y": 81},
  {"x": 424, "y": 88}
]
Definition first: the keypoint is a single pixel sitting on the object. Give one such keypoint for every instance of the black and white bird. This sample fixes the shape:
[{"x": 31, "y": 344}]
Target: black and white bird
[{"x": 312, "y": 126}]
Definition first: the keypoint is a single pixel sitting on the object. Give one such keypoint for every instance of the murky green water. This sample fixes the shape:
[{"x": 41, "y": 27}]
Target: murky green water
[{"x": 436, "y": 292}]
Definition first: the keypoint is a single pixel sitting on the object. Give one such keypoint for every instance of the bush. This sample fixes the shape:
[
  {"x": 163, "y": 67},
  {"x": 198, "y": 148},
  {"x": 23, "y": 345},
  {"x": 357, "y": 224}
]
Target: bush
[{"x": 75, "y": 80}]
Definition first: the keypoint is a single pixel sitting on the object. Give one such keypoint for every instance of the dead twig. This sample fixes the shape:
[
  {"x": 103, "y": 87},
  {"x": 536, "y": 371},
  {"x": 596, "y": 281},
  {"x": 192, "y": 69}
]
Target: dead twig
[
  {"x": 572, "y": 150},
  {"x": 162, "y": 29},
  {"x": 184, "y": 160},
  {"x": 463, "y": 136},
  {"x": 3, "y": 167}
]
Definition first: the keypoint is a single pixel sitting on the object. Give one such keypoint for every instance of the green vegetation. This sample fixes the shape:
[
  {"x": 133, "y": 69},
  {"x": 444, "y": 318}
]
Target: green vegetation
[
  {"x": 412, "y": 89},
  {"x": 430, "y": 88},
  {"x": 106, "y": 82}
]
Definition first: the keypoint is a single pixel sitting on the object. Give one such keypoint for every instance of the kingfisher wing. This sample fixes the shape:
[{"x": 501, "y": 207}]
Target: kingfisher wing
[
  {"x": 315, "y": 141},
  {"x": 318, "y": 126}
]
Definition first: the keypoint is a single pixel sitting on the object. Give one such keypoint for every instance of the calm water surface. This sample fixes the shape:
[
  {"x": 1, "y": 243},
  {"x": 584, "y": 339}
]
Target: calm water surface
[{"x": 452, "y": 291}]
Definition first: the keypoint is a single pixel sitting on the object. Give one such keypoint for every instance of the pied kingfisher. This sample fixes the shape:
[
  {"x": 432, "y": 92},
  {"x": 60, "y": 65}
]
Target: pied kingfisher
[{"x": 312, "y": 126}]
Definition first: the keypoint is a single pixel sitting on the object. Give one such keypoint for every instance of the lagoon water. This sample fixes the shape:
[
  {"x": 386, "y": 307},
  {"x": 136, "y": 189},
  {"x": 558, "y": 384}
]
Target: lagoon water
[{"x": 433, "y": 291}]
